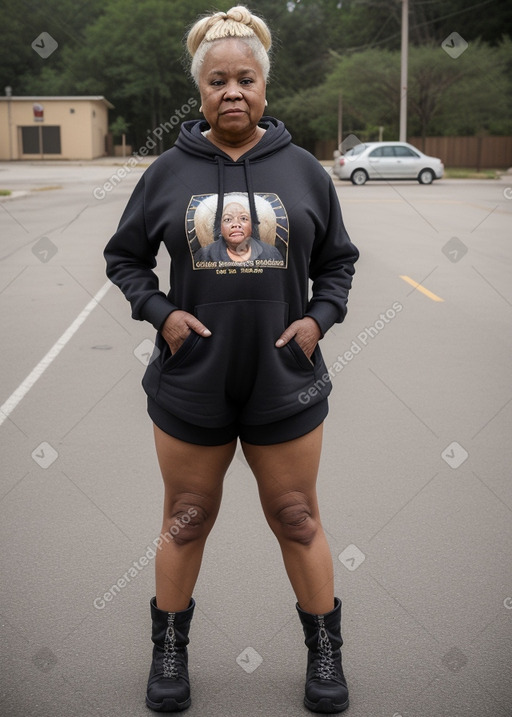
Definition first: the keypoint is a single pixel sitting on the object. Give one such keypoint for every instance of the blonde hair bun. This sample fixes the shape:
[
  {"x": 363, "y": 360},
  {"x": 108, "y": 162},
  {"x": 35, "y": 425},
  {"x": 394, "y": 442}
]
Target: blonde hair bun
[
  {"x": 236, "y": 22},
  {"x": 239, "y": 13}
]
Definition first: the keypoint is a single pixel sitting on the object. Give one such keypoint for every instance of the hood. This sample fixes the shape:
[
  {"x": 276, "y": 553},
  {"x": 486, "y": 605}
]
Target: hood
[{"x": 191, "y": 140}]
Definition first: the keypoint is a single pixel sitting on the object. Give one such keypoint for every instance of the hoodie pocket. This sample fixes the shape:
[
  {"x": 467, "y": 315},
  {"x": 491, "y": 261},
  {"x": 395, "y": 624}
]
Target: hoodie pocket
[
  {"x": 286, "y": 380},
  {"x": 303, "y": 361},
  {"x": 171, "y": 360},
  {"x": 163, "y": 366},
  {"x": 237, "y": 372}
]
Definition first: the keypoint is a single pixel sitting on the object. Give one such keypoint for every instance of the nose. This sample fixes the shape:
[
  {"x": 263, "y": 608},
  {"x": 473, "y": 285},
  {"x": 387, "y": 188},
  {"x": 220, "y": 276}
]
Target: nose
[{"x": 232, "y": 91}]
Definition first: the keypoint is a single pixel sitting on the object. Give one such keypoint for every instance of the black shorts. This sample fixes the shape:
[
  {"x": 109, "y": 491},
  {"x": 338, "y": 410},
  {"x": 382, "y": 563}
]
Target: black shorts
[{"x": 262, "y": 435}]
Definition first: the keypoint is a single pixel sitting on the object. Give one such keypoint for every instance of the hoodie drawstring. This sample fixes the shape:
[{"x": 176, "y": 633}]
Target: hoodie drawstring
[
  {"x": 220, "y": 196},
  {"x": 252, "y": 205},
  {"x": 220, "y": 200}
]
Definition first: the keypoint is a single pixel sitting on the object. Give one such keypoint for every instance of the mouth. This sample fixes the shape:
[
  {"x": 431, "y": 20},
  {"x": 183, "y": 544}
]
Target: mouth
[{"x": 233, "y": 112}]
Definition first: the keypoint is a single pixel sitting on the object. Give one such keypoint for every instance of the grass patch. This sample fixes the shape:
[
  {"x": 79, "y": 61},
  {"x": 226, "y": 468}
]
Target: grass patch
[
  {"x": 461, "y": 173},
  {"x": 5, "y": 192}
]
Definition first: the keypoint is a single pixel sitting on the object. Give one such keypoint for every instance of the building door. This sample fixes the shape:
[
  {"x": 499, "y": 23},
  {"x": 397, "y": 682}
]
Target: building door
[{"x": 40, "y": 139}]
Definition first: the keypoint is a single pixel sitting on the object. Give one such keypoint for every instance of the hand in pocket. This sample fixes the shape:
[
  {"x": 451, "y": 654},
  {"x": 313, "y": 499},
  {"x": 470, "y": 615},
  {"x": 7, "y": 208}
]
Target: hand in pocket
[
  {"x": 306, "y": 333},
  {"x": 178, "y": 326}
]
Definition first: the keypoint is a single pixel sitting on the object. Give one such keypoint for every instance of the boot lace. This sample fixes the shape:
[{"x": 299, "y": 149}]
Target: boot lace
[
  {"x": 169, "y": 661},
  {"x": 325, "y": 667}
]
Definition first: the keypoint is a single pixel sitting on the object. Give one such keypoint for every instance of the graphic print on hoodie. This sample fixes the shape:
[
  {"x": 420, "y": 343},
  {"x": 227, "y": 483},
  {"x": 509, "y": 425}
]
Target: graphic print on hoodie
[
  {"x": 238, "y": 243},
  {"x": 283, "y": 229}
]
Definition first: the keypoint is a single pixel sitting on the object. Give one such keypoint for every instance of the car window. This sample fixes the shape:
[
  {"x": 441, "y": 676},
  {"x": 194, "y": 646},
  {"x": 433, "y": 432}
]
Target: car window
[
  {"x": 382, "y": 152},
  {"x": 353, "y": 151},
  {"x": 404, "y": 152}
]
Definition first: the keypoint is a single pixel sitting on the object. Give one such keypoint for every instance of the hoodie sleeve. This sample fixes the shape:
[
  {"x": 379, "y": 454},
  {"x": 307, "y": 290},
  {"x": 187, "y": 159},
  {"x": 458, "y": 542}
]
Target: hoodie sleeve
[
  {"x": 331, "y": 268},
  {"x": 131, "y": 257}
]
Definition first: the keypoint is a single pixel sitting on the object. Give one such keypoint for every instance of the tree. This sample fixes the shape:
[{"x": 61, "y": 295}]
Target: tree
[
  {"x": 479, "y": 101},
  {"x": 466, "y": 95},
  {"x": 133, "y": 53},
  {"x": 22, "y": 22}
]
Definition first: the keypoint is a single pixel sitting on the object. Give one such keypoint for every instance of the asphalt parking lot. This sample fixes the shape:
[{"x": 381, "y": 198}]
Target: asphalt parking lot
[{"x": 414, "y": 484}]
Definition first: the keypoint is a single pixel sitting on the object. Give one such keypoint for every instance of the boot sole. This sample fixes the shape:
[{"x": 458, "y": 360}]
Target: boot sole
[
  {"x": 325, "y": 706},
  {"x": 169, "y": 705}
]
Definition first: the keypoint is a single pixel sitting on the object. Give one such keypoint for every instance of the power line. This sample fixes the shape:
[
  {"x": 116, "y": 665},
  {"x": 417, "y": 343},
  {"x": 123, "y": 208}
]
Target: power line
[{"x": 418, "y": 25}]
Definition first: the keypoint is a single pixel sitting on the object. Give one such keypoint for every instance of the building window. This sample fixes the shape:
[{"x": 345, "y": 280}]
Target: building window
[
  {"x": 30, "y": 140},
  {"x": 41, "y": 140}
]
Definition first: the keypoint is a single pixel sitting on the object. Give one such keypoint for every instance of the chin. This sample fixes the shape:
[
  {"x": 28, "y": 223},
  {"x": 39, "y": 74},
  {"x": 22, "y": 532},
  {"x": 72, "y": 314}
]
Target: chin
[{"x": 236, "y": 119}]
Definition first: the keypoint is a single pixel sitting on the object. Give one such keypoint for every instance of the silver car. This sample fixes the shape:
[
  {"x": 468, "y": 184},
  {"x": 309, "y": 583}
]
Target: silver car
[{"x": 386, "y": 160}]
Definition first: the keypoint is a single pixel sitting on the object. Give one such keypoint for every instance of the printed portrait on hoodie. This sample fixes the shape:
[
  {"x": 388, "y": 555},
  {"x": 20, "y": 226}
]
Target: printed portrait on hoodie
[{"x": 230, "y": 236}]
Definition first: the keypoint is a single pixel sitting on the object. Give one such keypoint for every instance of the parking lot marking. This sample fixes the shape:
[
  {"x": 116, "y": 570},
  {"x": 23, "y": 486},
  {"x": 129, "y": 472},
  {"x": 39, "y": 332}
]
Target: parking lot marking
[
  {"x": 19, "y": 394},
  {"x": 421, "y": 288}
]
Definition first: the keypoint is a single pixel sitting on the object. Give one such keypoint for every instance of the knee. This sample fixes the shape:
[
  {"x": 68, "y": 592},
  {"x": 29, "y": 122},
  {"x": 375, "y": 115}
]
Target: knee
[
  {"x": 188, "y": 519},
  {"x": 294, "y": 520}
]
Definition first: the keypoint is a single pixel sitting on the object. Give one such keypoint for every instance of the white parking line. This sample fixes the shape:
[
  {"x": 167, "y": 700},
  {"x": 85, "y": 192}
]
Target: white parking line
[{"x": 19, "y": 394}]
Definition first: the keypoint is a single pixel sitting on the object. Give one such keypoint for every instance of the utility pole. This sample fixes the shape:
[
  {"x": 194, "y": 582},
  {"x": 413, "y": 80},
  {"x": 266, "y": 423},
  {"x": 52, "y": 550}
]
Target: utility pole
[
  {"x": 340, "y": 121},
  {"x": 8, "y": 92},
  {"x": 403, "y": 73}
]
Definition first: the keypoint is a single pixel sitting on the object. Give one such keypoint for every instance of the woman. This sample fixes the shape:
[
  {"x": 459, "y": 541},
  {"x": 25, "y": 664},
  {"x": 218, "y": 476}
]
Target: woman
[
  {"x": 236, "y": 347},
  {"x": 236, "y": 242}
]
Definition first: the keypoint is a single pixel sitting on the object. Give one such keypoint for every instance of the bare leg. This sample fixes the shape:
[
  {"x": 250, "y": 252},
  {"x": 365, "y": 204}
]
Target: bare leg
[
  {"x": 193, "y": 477},
  {"x": 286, "y": 475}
]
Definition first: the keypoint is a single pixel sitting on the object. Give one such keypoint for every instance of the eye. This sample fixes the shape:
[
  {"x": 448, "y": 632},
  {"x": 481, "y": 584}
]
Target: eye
[{"x": 246, "y": 81}]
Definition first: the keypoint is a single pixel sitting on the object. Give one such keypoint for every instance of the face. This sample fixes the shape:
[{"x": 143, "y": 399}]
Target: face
[
  {"x": 236, "y": 225},
  {"x": 232, "y": 88}
]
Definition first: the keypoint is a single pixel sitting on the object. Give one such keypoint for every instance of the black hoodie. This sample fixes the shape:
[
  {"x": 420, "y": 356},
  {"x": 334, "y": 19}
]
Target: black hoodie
[{"x": 297, "y": 234}]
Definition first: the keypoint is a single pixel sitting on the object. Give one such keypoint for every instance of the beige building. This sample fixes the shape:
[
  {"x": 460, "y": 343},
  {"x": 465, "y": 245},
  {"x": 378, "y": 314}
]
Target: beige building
[{"x": 53, "y": 127}]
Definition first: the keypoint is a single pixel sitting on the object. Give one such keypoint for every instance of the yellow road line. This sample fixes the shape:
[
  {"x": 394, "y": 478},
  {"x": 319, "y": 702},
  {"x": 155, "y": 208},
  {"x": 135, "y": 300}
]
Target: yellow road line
[{"x": 421, "y": 288}]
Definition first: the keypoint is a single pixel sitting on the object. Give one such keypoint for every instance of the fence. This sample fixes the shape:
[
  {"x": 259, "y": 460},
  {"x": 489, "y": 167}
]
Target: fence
[
  {"x": 477, "y": 152},
  {"x": 468, "y": 152}
]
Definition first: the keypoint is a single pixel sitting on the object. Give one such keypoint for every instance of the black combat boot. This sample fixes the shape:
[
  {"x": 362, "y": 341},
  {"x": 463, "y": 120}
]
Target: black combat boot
[
  {"x": 168, "y": 684},
  {"x": 326, "y": 687}
]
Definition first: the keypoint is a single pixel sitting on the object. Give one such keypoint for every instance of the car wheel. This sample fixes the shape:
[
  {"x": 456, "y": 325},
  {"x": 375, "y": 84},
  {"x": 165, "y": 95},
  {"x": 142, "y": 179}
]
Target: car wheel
[
  {"x": 359, "y": 177},
  {"x": 426, "y": 176}
]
